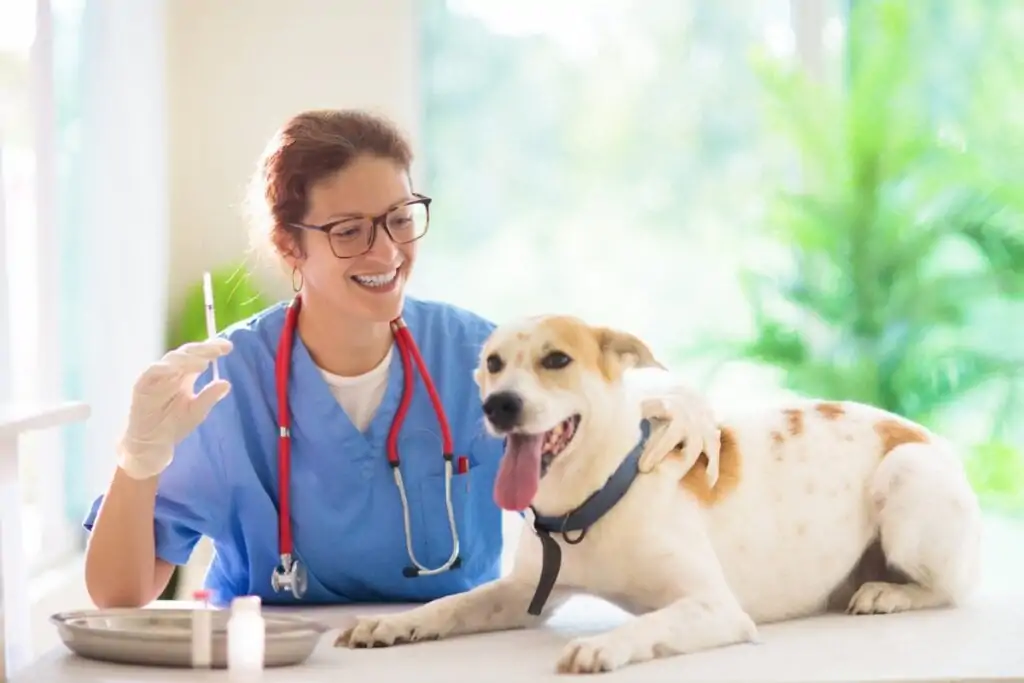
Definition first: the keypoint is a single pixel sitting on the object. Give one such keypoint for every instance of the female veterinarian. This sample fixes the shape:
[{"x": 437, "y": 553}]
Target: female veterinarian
[{"x": 340, "y": 456}]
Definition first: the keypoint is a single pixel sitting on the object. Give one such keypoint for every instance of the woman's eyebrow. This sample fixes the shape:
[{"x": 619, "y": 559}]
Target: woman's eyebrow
[{"x": 356, "y": 214}]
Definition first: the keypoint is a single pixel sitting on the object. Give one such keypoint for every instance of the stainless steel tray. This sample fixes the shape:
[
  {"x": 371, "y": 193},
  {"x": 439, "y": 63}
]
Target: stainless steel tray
[{"x": 163, "y": 637}]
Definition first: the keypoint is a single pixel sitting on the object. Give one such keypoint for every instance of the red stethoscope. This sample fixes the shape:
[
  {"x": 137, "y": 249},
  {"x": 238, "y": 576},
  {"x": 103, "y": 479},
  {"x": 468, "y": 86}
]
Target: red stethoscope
[{"x": 290, "y": 574}]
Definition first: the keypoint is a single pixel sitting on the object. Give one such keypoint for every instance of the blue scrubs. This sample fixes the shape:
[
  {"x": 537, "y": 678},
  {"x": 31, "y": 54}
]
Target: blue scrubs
[{"x": 346, "y": 512}]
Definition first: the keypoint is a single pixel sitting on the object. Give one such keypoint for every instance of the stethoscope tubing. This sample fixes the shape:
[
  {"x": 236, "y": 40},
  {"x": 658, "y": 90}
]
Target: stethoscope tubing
[{"x": 289, "y": 574}]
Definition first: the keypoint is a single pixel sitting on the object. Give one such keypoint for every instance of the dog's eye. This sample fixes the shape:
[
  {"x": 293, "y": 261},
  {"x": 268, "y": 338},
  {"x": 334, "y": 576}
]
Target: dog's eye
[
  {"x": 556, "y": 360},
  {"x": 494, "y": 363}
]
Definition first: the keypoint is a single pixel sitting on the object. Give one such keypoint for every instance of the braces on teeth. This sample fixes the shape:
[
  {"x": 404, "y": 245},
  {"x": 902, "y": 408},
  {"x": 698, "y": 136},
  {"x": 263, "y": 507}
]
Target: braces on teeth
[{"x": 377, "y": 280}]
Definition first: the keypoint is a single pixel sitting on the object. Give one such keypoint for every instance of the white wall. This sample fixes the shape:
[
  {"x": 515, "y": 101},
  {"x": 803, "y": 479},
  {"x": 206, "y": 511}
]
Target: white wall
[{"x": 237, "y": 71}]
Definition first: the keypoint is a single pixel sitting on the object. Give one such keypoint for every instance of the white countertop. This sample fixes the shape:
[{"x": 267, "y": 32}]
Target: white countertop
[{"x": 979, "y": 642}]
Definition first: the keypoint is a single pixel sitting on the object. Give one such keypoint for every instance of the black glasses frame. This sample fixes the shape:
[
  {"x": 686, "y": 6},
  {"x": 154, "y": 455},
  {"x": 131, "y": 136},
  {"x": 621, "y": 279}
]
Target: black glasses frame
[{"x": 378, "y": 221}]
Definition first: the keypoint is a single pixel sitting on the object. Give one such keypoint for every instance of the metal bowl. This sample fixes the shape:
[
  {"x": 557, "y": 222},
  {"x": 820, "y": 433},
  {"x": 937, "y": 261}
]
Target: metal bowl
[{"x": 163, "y": 637}]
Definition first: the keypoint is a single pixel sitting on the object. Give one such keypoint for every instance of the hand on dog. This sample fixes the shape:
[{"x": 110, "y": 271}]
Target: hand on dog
[{"x": 680, "y": 415}]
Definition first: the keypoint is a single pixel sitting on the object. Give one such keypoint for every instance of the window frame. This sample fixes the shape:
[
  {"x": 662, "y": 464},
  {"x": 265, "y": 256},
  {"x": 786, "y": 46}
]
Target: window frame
[{"x": 51, "y": 536}]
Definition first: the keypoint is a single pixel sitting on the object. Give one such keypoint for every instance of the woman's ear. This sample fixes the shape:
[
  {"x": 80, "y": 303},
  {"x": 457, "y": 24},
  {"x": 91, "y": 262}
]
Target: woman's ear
[
  {"x": 286, "y": 242},
  {"x": 621, "y": 351}
]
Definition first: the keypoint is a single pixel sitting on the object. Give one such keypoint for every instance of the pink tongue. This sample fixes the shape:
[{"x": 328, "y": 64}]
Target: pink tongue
[{"x": 519, "y": 472}]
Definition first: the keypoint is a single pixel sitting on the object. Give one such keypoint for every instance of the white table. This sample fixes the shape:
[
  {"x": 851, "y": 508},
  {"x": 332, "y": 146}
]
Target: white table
[{"x": 980, "y": 642}]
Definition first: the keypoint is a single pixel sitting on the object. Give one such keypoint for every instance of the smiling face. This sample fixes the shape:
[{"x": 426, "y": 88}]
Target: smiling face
[
  {"x": 547, "y": 384},
  {"x": 370, "y": 286}
]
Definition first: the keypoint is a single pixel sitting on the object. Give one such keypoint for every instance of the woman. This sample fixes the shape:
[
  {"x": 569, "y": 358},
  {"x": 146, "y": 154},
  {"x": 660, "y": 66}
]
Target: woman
[{"x": 335, "y": 197}]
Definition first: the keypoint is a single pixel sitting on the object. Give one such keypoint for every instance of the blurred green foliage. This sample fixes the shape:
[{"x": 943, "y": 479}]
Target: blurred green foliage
[
  {"x": 235, "y": 297},
  {"x": 631, "y": 111},
  {"x": 904, "y": 282},
  {"x": 873, "y": 218}
]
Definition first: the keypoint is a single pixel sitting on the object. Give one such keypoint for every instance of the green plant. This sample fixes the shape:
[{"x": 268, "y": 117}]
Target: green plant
[
  {"x": 996, "y": 470},
  {"x": 235, "y": 297},
  {"x": 903, "y": 283}
]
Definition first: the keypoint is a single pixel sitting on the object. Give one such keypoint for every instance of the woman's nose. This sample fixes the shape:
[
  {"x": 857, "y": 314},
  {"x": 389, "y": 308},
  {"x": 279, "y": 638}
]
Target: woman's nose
[{"x": 383, "y": 246}]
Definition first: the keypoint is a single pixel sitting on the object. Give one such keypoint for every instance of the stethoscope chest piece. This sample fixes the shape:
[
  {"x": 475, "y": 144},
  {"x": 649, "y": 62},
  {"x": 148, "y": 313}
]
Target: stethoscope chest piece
[{"x": 290, "y": 575}]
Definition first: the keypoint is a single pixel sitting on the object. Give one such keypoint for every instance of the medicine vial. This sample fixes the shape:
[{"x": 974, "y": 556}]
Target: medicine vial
[
  {"x": 202, "y": 631},
  {"x": 246, "y": 639}
]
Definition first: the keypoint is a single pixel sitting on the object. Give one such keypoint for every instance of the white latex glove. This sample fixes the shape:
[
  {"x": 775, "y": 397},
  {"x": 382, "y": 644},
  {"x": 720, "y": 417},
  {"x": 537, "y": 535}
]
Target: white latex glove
[
  {"x": 165, "y": 408},
  {"x": 678, "y": 414}
]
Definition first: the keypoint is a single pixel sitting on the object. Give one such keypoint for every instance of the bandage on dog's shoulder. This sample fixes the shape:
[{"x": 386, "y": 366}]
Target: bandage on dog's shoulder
[{"x": 580, "y": 520}]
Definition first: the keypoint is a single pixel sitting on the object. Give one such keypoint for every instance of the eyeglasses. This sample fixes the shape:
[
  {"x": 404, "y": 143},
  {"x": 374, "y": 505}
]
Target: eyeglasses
[{"x": 354, "y": 236}]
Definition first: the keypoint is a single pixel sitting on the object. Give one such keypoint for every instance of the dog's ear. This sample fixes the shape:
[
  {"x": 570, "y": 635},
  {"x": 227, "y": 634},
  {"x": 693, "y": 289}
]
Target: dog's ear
[{"x": 621, "y": 351}]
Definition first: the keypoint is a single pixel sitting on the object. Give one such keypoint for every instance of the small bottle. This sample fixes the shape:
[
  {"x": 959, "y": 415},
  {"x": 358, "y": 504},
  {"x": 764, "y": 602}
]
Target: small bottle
[
  {"x": 202, "y": 631},
  {"x": 246, "y": 639}
]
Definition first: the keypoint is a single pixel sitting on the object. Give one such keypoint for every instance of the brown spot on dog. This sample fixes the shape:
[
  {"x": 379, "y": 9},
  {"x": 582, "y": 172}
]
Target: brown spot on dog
[
  {"x": 524, "y": 345},
  {"x": 600, "y": 349},
  {"x": 893, "y": 433},
  {"x": 830, "y": 410},
  {"x": 621, "y": 350},
  {"x": 730, "y": 469},
  {"x": 777, "y": 440},
  {"x": 794, "y": 421}
]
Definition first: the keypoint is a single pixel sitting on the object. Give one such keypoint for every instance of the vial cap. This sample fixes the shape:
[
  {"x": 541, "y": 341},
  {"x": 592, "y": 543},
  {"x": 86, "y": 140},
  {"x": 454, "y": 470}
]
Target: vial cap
[{"x": 246, "y": 604}]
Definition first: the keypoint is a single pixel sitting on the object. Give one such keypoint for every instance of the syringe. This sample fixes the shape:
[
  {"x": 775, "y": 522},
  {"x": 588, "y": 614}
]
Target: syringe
[{"x": 211, "y": 320}]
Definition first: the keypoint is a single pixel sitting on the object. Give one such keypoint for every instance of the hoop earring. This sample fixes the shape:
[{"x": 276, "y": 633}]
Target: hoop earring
[{"x": 297, "y": 287}]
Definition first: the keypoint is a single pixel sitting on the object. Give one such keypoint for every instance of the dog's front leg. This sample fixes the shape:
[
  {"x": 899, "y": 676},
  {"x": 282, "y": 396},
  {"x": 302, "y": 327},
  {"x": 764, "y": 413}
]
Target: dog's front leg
[
  {"x": 691, "y": 624},
  {"x": 496, "y": 606}
]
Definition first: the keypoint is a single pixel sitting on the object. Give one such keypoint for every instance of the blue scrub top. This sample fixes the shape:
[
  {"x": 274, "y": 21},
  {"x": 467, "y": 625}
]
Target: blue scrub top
[{"x": 346, "y": 512}]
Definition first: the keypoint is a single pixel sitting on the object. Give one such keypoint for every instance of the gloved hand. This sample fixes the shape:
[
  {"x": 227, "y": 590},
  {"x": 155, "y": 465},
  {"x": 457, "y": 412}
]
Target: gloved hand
[
  {"x": 165, "y": 409},
  {"x": 679, "y": 414}
]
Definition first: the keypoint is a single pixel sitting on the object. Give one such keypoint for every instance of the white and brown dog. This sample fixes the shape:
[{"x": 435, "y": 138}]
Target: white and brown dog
[{"x": 807, "y": 506}]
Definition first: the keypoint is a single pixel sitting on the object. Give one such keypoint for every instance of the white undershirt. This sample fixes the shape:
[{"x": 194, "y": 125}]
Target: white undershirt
[{"x": 360, "y": 396}]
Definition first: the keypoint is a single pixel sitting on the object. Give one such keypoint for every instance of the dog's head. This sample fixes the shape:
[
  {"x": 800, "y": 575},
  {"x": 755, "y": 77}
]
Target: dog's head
[{"x": 552, "y": 386}]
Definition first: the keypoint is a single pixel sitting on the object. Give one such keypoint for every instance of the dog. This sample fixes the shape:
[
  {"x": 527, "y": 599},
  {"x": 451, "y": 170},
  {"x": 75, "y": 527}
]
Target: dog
[{"x": 811, "y": 506}]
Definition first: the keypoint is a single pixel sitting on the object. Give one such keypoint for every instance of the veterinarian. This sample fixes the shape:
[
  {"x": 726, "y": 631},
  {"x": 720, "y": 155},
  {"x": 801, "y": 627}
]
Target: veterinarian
[{"x": 350, "y": 488}]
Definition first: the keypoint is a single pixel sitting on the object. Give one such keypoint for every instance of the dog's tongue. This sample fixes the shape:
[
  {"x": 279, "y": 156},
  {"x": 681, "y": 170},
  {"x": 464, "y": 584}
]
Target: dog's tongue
[{"x": 519, "y": 473}]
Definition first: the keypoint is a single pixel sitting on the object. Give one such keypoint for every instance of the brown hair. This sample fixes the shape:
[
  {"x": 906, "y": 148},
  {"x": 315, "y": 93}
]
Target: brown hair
[{"x": 308, "y": 148}]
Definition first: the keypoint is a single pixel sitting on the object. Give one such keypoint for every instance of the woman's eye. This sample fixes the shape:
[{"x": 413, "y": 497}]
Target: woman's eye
[{"x": 346, "y": 234}]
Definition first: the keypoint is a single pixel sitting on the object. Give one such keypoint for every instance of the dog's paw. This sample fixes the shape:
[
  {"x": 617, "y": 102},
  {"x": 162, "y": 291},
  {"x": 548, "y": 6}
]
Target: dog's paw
[
  {"x": 595, "y": 654},
  {"x": 877, "y": 597},
  {"x": 384, "y": 631}
]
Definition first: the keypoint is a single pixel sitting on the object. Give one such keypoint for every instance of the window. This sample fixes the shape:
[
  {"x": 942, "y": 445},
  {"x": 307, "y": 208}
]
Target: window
[
  {"x": 37, "y": 44},
  {"x": 627, "y": 162}
]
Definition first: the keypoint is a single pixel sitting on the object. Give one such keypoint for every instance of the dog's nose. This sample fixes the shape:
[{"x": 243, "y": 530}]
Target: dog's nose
[{"x": 504, "y": 409}]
